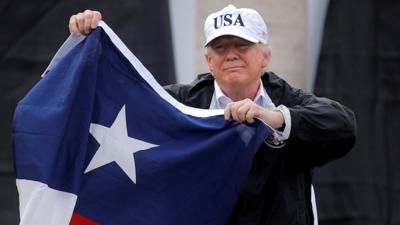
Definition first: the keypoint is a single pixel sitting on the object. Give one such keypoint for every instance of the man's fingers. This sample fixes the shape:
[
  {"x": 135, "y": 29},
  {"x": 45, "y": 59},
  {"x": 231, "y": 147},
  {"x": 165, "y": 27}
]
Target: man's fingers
[
  {"x": 73, "y": 27},
  {"x": 227, "y": 112},
  {"x": 250, "y": 115},
  {"x": 231, "y": 111},
  {"x": 241, "y": 112},
  {"x": 88, "y": 15},
  {"x": 80, "y": 21},
  {"x": 234, "y": 111},
  {"x": 83, "y": 23},
  {"x": 247, "y": 107},
  {"x": 95, "y": 20}
]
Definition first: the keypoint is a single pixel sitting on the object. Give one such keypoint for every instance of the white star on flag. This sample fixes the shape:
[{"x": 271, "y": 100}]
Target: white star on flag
[{"x": 116, "y": 146}]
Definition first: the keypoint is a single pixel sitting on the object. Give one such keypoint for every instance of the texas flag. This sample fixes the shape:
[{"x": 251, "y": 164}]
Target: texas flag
[{"x": 99, "y": 141}]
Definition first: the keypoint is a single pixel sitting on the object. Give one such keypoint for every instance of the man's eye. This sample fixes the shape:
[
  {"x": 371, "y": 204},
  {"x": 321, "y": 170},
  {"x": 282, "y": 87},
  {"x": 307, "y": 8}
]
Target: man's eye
[
  {"x": 219, "y": 48},
  {"x": 243, "y": 46}
]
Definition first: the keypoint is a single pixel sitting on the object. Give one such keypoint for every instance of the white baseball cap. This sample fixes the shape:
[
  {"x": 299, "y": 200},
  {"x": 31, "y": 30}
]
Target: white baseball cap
[{"x": 244, "y": 23}]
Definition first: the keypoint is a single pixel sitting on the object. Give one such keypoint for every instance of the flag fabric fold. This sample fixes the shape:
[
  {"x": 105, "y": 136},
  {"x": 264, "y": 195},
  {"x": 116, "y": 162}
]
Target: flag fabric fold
[{"x": 98, "y": 141}]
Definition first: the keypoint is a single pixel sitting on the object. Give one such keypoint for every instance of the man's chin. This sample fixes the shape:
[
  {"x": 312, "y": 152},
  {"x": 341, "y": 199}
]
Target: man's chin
[
  {"x": 234, "y": 80},
  {"x": 234, "y": 73}
]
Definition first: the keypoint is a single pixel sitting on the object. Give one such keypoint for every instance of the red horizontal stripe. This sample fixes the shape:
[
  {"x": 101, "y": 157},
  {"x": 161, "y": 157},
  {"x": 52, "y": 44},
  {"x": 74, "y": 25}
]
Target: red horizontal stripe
[{"x": 78, "y": 219}]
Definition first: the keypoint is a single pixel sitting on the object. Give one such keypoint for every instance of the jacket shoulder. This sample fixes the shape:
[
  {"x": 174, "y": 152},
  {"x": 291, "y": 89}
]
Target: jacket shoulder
[{"x": 196, "y": 94}]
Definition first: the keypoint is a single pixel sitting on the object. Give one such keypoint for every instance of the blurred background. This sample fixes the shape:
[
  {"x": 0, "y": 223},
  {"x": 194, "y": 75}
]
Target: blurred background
[{"x": 347, "y": 50}]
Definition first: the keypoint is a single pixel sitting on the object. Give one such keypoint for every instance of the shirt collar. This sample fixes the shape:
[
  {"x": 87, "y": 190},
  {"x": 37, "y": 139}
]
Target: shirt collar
[{"x": 220, "y": 100}]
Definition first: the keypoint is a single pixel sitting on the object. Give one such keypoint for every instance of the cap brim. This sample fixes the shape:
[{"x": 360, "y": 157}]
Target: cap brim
[{"x": 232, "y": 32}]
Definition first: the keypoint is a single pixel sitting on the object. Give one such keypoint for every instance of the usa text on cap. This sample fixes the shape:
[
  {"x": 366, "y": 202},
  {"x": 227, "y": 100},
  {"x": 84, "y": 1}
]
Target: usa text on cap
[{"x": 243, "y": 22}]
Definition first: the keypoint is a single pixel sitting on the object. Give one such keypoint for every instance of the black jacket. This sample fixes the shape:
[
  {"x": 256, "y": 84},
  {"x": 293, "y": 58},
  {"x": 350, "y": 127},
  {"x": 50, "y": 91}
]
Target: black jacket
[{"x": 278, "y": 188}]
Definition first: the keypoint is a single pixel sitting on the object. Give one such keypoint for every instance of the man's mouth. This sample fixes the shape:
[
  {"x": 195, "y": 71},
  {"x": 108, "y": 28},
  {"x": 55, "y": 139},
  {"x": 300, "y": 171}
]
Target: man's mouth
[{"x": 230, "y": 68}]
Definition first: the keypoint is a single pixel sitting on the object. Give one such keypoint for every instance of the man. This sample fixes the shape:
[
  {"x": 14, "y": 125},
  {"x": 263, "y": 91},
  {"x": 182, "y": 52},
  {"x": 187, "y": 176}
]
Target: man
[{"x": 309, "y": 131}]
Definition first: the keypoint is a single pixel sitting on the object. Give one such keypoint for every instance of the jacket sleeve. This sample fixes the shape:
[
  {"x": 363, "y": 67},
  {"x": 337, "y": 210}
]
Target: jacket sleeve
[{"x": 321, "y": 129}]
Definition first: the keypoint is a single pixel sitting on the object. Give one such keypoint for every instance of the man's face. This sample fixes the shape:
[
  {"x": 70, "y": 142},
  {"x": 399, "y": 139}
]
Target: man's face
[{"x": 236, "y": 63}]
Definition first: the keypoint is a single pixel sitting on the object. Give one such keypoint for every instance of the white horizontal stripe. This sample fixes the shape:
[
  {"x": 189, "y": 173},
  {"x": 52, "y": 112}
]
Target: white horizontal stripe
[{"x": 40, "y": 204}]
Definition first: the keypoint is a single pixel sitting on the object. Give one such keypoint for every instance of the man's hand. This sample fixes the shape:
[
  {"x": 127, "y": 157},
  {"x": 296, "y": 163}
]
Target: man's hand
[
  {"x": 82, "y": 23},
  {"x": 246, "y": 111}
]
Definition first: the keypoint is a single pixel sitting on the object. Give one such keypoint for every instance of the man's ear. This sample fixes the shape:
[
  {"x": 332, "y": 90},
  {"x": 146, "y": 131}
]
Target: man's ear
[
  {"x": 266, "y": 57},
  {"x": 209, "y": 61}
]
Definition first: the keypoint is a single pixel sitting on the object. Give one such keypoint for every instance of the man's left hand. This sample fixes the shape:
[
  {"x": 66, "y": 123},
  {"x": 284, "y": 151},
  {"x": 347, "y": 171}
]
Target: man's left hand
[{"x": 246, "y": 111}]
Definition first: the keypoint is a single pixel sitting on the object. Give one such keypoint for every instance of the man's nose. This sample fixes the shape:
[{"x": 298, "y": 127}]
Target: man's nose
[{"x": 232, "y": 53}]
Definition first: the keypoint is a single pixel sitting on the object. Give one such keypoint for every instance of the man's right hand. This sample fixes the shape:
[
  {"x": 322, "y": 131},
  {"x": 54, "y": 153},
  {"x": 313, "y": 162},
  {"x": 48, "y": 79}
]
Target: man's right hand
[{"x": 82, "y": 23}]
